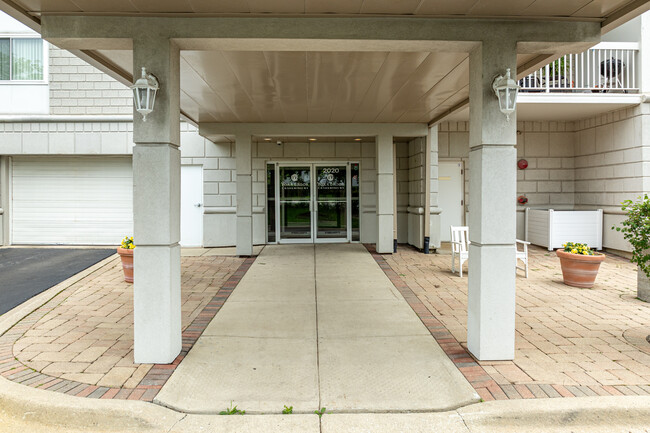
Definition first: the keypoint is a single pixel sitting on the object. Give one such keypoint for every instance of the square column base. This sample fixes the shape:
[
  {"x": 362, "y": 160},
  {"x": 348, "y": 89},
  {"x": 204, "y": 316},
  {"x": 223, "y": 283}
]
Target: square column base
[
  {"x": 384, "y": 234},
  {"x": 244, "y": 235},
  {"x": 491, "y": 302},
  {"x": 157, "y": 304}
]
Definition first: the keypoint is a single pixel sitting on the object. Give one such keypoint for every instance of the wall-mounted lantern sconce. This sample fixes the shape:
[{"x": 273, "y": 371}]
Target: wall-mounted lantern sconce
[
  {"x": 144, "y": 93},
  {"x": 506, "y": 90}
]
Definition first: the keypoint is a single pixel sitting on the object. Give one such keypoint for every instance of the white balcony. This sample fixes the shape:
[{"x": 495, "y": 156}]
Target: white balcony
[{"x": 609, "y": 67}]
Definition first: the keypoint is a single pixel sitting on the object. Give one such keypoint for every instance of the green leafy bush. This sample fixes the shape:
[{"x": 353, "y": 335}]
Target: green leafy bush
[{"x": 636, "y": 230}]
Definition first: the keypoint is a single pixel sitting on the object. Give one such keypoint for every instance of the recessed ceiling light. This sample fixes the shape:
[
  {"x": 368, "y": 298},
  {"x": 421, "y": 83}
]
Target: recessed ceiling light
[
  {"x": 357, "y": 139},
  {"x": 267, "y": 139},
  {"x": 312, "y": 139}
]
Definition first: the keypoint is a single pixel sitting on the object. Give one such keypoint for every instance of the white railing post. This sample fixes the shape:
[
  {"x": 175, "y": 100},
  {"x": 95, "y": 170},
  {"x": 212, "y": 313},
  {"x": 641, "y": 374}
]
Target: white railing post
[{"x": 548, "y": 78}]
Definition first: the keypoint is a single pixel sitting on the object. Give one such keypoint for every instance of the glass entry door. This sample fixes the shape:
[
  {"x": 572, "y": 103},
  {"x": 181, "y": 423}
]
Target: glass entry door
[
  {"x": 295, "y": 204},
  {"x": 331, "y": 202},
  {"x": 313, "y": 202}
]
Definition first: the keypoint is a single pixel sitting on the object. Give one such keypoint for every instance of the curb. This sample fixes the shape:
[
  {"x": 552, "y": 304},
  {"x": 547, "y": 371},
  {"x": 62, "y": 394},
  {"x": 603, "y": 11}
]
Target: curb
[{"x": 34, "y": 406}]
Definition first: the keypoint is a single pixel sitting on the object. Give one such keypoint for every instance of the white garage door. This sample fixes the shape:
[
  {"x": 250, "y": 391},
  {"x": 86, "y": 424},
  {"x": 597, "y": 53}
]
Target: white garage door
[{"x": 83, "y": 201}]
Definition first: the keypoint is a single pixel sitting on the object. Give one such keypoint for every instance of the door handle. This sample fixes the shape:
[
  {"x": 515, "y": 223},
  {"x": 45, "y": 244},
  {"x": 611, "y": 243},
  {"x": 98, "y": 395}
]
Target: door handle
[{"x": 198, "y": 205}]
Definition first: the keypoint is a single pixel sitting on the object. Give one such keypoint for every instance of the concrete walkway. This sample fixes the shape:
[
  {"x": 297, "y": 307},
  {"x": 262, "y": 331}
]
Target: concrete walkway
[{"x": 314, "y": 326}]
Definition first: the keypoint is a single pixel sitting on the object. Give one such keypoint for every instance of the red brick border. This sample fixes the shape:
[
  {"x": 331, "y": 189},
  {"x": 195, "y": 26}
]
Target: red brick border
[
  {"x": 484, "y": 384},
  {"x": 12, "y": 369}
]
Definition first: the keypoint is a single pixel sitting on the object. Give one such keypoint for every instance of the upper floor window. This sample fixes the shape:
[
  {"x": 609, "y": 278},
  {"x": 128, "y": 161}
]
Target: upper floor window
[{"x": 21, "y": 59}]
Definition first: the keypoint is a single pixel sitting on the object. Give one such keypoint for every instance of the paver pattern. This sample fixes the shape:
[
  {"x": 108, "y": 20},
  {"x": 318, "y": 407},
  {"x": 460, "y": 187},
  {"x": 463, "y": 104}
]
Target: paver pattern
[
  {"x": 569, "y": 341},
  {"x": 81, "y": 341}
]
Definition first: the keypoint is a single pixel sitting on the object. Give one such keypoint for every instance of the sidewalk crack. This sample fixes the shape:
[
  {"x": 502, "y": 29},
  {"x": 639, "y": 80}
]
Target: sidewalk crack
[{"x": 176, "y": 423}]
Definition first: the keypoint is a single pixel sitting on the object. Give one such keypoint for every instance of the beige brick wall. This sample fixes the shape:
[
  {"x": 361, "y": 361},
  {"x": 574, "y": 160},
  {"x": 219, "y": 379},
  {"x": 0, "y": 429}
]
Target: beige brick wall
[
  {"x": 547, "y": 146},
  {"x": 78, "y": 88},
  {"x": 612, "y": 161}
]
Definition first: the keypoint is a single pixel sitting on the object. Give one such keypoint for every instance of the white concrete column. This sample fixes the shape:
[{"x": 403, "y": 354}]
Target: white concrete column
[
  {"x": 492, "y": 210},
  {"x": 643, "y": 65},
  {"x": 156, "y": 208},
  {"x": 385, "y": 193},
  {"x": 432, "y": 223},
  {"x": 243, "y": 155}
]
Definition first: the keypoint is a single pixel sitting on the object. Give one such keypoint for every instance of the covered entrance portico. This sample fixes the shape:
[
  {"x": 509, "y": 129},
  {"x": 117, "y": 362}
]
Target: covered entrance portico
[{"x": 209, "y": 70}]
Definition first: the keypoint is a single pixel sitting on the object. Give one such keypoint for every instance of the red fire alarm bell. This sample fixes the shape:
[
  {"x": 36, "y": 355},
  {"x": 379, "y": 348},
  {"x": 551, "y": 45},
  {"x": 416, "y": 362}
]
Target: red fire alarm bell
[{"x": 522, "y": 164}]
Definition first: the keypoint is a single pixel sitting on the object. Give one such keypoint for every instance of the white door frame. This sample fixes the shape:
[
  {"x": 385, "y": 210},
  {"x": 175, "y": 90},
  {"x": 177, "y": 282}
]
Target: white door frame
[{"x": 313, "y": 205}]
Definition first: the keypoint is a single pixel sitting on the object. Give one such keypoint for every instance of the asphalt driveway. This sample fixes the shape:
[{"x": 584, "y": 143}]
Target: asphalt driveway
[{"x": 26, "y": 272}]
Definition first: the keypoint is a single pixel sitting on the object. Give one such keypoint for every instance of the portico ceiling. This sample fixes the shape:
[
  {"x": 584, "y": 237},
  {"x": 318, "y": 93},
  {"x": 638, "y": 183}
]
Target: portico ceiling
[{"x": 318, "y": 87}]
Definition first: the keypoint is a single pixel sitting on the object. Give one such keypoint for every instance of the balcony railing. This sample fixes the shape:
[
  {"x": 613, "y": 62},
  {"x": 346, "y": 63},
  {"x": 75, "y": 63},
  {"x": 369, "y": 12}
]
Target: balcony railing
[{"x": 607, "y": 68}]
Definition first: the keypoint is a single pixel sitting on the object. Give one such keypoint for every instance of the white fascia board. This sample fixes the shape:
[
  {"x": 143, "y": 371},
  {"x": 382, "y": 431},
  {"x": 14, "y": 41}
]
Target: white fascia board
[
  {"x": 616, "y": 46},
  {"x": 580, "y": 98}
]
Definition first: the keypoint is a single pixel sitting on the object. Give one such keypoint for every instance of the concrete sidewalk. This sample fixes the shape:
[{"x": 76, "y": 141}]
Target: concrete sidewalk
[
  {"x": 35, "y": 411},
  {"x": 314, "y": 326}
]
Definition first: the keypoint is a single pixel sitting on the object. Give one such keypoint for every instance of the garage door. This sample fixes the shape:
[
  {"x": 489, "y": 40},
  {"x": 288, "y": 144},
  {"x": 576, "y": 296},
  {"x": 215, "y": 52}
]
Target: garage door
[{"x": 82, "y": 201}]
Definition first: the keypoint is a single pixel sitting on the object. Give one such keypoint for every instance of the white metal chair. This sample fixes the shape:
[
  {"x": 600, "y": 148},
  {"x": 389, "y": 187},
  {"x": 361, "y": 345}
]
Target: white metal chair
[
  {"x": 459, "y": 247},
  {"x": 522, "y": 255}
]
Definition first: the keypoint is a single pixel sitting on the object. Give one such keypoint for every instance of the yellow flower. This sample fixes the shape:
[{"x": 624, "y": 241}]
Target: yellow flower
[{"x": 574, "y": 251}]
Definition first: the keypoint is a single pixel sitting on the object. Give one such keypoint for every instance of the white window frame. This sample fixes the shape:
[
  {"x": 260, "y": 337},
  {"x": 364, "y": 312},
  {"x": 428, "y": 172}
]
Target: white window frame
[{"x": 46, "y": 59}]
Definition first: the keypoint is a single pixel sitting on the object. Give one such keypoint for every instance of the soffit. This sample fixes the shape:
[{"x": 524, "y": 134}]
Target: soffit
[
  {"x": 318, "y": 87},
  {"x": 463, "y": 8}
]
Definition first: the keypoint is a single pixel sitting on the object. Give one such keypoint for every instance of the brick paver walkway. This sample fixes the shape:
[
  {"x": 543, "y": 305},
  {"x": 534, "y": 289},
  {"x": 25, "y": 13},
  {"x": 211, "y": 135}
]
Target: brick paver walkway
[
  {"x": 81, "y": 341},
  {"x": 569, "y": 341}
]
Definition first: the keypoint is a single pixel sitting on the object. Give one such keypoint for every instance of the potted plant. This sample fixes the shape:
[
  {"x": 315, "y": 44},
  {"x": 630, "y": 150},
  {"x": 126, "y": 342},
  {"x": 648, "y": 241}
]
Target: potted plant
[
  {"x": 126, "y": 254},
  {"x": 580, "y": 264},
  {"x": 636, "y": 230}
]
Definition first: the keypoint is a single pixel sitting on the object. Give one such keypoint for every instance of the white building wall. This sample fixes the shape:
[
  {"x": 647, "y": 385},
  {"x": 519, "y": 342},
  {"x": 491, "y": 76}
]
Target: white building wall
[
  {"x": 66, "y": 138},
  {"x": 23, "y": 97}
]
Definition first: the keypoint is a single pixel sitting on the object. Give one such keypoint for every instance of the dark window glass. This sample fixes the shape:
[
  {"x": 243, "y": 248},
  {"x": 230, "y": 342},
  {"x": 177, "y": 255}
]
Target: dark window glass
[
  {"x": 270, "y": 201},
  {"x": 5, "y": 59},
  {"x": 354, "y": 192}
]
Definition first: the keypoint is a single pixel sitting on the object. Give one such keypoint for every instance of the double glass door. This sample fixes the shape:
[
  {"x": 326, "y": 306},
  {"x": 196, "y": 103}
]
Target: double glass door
[{"x": 313, "y": 202}]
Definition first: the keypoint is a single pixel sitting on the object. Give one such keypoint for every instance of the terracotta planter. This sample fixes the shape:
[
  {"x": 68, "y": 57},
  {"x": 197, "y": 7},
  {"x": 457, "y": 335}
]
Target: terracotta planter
[
  {"x": 127, "y": 263},
  {"x": 579, "y": 270}
]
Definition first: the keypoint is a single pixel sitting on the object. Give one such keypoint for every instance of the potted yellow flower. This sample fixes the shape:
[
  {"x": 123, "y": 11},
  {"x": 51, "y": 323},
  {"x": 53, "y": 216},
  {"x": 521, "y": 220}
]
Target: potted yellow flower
[
  {"x": 126, "y": 254},
  {"x": 580, "y": 264}
]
